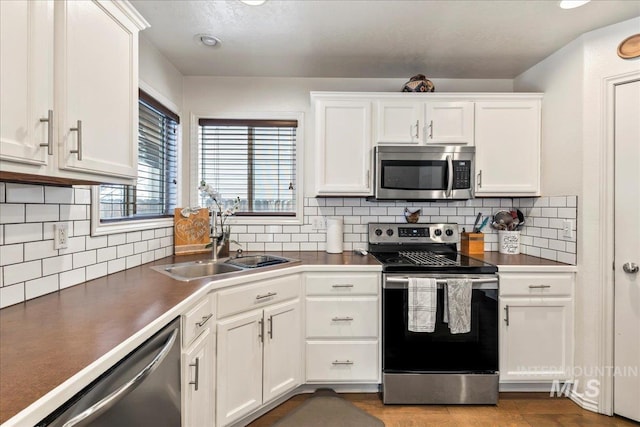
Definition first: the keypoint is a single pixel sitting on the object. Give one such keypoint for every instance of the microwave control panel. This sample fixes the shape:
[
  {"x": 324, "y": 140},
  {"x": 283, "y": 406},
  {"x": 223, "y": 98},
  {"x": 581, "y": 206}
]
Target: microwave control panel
[{"x": 461, "y": 174}]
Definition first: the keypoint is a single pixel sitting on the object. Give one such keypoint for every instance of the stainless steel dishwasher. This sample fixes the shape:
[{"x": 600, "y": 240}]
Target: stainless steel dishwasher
[{"x": 143, "y": 389}]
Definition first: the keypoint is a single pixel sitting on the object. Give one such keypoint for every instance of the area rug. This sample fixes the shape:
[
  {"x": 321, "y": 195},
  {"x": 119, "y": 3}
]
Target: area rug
[{"x": 326, "y": 408}]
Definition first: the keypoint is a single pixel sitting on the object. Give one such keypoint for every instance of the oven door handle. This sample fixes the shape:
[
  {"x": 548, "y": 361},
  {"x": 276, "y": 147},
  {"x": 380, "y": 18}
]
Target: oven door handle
[
  {"x": 403, "y": 283},
  {"x": 450, "y": 173}
]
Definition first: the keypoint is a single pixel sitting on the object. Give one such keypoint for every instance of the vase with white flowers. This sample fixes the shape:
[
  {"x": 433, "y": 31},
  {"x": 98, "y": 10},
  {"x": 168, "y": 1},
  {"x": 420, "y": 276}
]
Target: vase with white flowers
[{"x": 219, "y": 236}]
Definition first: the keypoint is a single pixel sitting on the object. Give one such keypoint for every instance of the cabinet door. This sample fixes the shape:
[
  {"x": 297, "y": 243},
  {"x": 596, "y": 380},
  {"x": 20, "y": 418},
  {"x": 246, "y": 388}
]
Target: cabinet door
[
  {"x": 536, "y": 339},
  {"x": 239, "y": 366},
  {"x": 507, "y": 148},
  {"x": 449, "y": 123},
  {"x": 343, "y": 148},
  {"x": 96, "y": 92},
  {"x": 26, "y": 83},
  {"x": 400, "y": 122},
  {"x": 198, "y": 376},
  {"x": 282, "y": 350}
]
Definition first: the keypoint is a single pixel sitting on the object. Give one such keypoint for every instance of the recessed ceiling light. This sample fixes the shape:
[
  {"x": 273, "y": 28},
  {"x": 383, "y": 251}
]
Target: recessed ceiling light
[
  {"x": 253, "y": 2},
  {"x": 572, "y": 4},
  {"x": 207, "y": 40}
]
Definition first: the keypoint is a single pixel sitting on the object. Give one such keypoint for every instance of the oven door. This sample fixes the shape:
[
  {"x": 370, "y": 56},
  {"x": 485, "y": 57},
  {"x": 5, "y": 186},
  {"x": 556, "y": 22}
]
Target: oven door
[
  {"x": 419, "y": 173},
  {"x": 440, "y": 351}
]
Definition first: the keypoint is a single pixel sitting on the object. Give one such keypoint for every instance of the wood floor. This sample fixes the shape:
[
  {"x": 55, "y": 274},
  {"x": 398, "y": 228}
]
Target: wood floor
[{"x": 513, "y": 409}]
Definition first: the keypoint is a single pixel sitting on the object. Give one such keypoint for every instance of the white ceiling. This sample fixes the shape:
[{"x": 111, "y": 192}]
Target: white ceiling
[{"x": 374, "y": 38}]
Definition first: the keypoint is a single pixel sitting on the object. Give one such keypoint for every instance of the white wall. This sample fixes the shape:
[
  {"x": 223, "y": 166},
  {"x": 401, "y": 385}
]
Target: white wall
[
  {"x": 157, "y": 72},
  {"x": 215, "y": 95},
  {"x": 574, "y": 128}
]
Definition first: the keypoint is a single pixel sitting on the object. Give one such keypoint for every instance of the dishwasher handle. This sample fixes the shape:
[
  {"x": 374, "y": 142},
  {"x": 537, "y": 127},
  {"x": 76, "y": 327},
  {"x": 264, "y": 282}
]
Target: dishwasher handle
[{"x": 106, "y": 403}]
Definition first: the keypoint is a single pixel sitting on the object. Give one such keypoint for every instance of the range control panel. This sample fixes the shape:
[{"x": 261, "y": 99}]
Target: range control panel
[{"x": 413, "y": 233}]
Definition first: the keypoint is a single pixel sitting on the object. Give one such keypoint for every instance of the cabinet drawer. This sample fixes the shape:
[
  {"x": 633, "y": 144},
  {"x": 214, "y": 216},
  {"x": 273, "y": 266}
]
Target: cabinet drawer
[
  {"x": 536, "y": 284},
  {"x": 244, "y": 298},
  {"x": 196, "y": 320},
  {"x": 342, "y": 361},
  {"x": 343, "y": 284},
  {"x": 342, "y": 317}
]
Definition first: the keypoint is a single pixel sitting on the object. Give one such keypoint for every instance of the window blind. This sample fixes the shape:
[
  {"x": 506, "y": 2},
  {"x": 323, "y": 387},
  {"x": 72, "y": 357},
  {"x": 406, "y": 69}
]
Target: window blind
[
  {"x": 154, "y": 194},
  {"x": 251, "y": 159}
]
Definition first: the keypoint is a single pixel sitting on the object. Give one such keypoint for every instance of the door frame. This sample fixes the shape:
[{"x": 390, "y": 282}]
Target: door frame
[{"x": 607, "y": 249}]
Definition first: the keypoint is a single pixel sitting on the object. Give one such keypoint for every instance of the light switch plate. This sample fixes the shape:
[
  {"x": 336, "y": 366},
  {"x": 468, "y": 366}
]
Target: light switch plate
[{"x": 567, "y": 228}]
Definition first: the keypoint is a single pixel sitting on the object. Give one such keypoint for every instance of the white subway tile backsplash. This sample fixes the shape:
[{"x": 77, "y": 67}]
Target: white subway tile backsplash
[
  {"x": 81, "y": 228},
  {"x": 82, "y": 259},
  {"x": 12, "y": 213},
  {"x": 558, "y": 202},
  {"x": 42, "y": 286},
  {"x": 24, "y": 193},
  {"x": 39, "y": 250},
  {"x": 74, "y": 244},
  {"x": 134, "y": 236},
  {"x": 73, "y": 212},
  {"x": 96, "y": 242},
  {"x": 125, "y": 250},
  {"x": 22, "y": 272},
  {"x": 11, "y": 254},
  {"x": 2, "y": 192},
  {"x": 10, "y": 295},
  {"x": 82, "y": 196},
  {"x": 116, "y": 239},
  {"x": 567, "y": 213},
  {"x": 57, "y": 264},
  {"x": 566, "y": 258},
  {"x": 19, "y": 233},
  {"x": 140, "y": 247},
  {"x": 134, "y": 260},
  {"x": 42, "y": 213},
  {"x": 116, "y": 265},
  {"x": 106, "y": 254},
  {"x": 72, "y": 277},
  {"x": 58, "y": 195},
  {"x": 96, "y": 270}
]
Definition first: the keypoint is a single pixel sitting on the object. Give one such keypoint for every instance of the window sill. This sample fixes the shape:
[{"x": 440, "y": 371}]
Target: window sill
[{"x": 102, "y": 229}]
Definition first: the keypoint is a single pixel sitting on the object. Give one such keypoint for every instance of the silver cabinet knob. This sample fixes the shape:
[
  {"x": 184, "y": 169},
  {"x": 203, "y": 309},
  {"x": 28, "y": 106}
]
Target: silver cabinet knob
[{"x": 630, "y": 267}]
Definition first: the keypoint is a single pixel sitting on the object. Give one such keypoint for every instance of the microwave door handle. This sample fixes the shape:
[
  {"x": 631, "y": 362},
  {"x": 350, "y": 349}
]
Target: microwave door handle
[{"x": 450, "y": 181}]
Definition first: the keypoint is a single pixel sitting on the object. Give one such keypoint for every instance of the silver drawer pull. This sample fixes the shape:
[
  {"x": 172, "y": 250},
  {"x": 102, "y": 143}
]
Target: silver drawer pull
[
  {"x": 78, "y": 129},
  {"x": 342, "y": 319},
  {"x": 539, "y": 286},
  {"x": 267, "y": 295},
  {"x": 197, "y": 380},
  {"x": 204, "y": 320},
  {"x": 342, "y": 362},
  {"x": 346, "y": 285},
  {"x": 49, "y": 122}
]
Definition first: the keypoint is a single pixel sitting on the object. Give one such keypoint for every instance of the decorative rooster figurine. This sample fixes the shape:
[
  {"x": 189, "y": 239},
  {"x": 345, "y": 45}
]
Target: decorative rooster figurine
[{"x": 412, "y": 217}]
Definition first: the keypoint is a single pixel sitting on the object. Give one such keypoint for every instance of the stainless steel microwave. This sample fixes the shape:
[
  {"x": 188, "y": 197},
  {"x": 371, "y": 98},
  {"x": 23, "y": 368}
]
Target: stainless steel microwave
[{"x": 424, "y": 173}]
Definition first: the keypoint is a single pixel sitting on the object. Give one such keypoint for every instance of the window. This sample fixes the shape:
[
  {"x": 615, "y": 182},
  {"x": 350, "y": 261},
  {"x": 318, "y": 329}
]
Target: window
[
  {"x": 251, "y": 159},
  {"x": 154, "y": 195}
]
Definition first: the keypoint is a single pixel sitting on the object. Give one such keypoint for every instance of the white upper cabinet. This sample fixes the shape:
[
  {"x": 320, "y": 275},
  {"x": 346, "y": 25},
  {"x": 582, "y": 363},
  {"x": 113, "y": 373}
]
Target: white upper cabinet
[
  {"x": 400, "y": 122},
  {"x": 420, "y": 122},
  {"x": 508, "y": 148},
  {"x": 70, "y": 90},
  {"x": 26, "y": 83},
  {"x": 449, "y": 122},
  {"x": 343, "y": 147}
]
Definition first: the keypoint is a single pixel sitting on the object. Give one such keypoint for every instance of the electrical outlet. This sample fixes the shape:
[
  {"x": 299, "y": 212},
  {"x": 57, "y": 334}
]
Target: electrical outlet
[
  {"x": 318, "y": 223},
  {"x": 60, "y": 235},
  {"x": 567, "y": 228}
]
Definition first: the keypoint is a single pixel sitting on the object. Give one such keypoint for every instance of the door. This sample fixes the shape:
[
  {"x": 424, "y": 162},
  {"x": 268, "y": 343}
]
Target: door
[
  {"x": 239, "y": 366},
  {"x": 627, "y": 249},
  {"x": 536, "y": 337},
  {"x": 282, "y": 349},
  {"x": 97, "y": 91},
  {"x": 400, "y": 122},
  {"x": 198, "y": 382},
  {"x": 26, "y": 82},
  {"x": 449, "y": 123},
  {"x": 507, "y": 148},
  {"x": 343, "y": 153}
]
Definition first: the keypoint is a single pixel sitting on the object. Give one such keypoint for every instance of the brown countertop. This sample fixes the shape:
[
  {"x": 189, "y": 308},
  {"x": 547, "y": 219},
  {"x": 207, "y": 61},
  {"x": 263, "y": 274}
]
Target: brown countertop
[
  {"x": 496, "y": 258},
  {"x": 47, "y": 340}
]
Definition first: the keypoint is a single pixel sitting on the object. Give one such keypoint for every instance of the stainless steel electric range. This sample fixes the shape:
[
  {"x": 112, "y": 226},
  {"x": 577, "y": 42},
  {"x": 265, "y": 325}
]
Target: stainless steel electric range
[{"x": 435, "y": 367}]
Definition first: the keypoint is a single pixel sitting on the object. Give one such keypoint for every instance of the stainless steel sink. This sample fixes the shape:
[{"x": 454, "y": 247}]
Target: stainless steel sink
[
  {"x": 255, "y": 261},
  {"x": 186, "y": 271}
]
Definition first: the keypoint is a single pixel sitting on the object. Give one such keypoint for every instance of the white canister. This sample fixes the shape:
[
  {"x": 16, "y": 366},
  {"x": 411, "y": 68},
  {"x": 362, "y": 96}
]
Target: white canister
[
  {"x": 509, "y": 242},
  {"x": 334, "y": 235}
]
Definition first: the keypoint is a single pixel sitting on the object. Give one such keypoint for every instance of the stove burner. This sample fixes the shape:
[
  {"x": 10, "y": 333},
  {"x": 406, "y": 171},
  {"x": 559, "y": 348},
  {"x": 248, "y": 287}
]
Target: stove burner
[
  {"x": 396, "y": 260},
  {"x": 427, "y": 258}
]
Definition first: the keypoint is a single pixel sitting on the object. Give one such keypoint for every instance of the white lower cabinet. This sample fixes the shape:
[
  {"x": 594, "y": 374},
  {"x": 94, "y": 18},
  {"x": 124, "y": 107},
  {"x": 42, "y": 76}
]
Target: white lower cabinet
[
  {"x": 259, "y": 355},
  {"x": 342, "y": 327},
  {"x": 198, "y": 362},
  {"x": 536, "y": 332}
]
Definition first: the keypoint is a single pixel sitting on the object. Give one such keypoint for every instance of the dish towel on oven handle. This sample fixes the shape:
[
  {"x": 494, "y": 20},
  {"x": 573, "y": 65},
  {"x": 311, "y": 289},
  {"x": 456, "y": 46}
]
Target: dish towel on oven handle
[
  {"x": 457, "y": 305},
  {"x": 423, "y": 299}
]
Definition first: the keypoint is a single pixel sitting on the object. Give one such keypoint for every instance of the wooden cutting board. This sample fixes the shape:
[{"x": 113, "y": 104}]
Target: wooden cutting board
[{"x": 191, "y": 234}]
